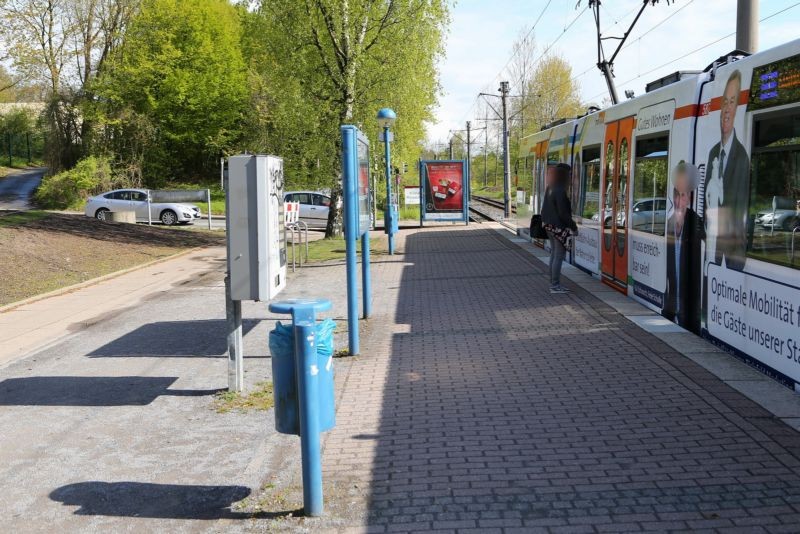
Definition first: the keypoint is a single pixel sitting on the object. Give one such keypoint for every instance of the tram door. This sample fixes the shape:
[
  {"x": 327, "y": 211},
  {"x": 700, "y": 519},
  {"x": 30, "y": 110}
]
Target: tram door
[{"x": 614, "y": 257}]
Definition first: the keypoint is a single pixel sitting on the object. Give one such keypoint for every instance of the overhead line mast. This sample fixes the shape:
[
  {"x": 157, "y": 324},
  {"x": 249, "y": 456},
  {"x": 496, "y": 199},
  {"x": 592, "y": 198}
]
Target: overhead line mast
[{"x": 606, "y": 66}]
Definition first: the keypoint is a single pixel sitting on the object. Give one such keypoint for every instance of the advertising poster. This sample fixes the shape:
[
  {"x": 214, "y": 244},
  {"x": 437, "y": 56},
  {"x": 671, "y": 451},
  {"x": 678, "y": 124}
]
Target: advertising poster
[
  {"x": 647, "y": 267},
  {"x": 756, "y": 316},
  {"x": 587, "y": 248},
  {"x": 750, "y": 302},
  {"x": 363, "y": 187},
  {"x": 684, "y": 232},
  {"x": 444, "y": 190}
]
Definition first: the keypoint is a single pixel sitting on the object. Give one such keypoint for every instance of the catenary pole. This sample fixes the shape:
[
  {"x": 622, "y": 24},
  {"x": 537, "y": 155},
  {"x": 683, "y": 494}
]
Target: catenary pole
[
  {"x": 506, "y": 155},
  {"x": 747, "y": 26}
]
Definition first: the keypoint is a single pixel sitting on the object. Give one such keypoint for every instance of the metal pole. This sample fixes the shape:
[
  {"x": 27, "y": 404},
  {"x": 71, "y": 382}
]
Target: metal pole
[
  {"x": 747, "y": 26},
  {"x": 149, "y": 210},
  {"x": 506, "y": 155},
  {"x": 469, "y": 162},
  {"x": 388, "y": 215},
  {"x": 294, "y": 254},
  {"x": 366, "y": 283},
  {"x": 374, "y": 197},
  {"x": 208, "y": 201},
  {"x": 222, "y": 173},
  {"x": 305, "y": 350},
  {"x": 350, "y": 177},
  {"x": 486, "y": 157},
  {"x": 233, "y": 315},
  {"x": 496, "y": 159},
  {"x": 451, "y": 148}
]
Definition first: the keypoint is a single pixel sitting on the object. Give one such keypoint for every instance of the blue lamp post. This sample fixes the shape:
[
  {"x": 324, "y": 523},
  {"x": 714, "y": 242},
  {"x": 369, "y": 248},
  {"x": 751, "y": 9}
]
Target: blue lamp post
[{"x": 386, "y": 118}]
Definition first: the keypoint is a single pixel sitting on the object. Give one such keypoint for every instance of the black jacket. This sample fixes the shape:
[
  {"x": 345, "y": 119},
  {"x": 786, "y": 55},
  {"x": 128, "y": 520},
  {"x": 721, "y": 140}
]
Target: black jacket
[
  {"x": 556, "y": 208},
  {"x": 732, "y": 214},
  {"x": 688, "y": 273}
]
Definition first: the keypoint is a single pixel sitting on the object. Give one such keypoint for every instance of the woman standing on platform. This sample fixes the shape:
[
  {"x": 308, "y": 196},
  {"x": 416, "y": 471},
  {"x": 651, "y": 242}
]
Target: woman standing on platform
[{"x": 557, "y": 221}]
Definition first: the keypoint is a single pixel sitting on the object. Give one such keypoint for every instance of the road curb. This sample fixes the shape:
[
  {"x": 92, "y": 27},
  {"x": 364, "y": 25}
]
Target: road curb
[{"x": 93, "y": 281}]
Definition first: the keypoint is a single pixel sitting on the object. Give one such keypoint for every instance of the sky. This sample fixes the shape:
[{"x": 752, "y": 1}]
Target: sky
[{"x": 482, "y": 32}]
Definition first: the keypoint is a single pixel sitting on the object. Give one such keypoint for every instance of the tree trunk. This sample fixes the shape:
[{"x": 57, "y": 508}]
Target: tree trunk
[{"x": 335, "y": 216}]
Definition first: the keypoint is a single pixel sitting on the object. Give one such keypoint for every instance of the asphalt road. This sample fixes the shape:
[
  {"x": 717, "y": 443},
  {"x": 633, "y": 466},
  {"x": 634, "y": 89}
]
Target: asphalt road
[{"x": 16, "y": 189}]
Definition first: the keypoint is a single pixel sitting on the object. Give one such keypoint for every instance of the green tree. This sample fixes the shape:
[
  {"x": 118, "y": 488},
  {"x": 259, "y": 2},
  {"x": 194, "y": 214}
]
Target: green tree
[
  {"x": 342, "y": 60},
  {"x": 61, "y": 46},
  {"x": 175, "y": 92}
]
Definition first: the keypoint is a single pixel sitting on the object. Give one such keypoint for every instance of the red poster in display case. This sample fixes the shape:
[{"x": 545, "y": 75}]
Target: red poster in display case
[{"x": 445, "y": 182}]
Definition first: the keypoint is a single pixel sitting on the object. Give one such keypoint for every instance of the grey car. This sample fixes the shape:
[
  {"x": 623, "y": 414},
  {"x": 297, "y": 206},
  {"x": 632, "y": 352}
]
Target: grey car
[{"x": 168, "y": 213}]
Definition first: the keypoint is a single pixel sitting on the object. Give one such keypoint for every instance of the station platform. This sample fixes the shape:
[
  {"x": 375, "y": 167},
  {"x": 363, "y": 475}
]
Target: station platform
[{"x": 483, "y": 403}]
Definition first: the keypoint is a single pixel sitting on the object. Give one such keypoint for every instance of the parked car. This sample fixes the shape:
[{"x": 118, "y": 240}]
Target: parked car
[
  {"x": 168, "y": 213},
  {"x": 647, "y": 215},
  {"x": 780, "y": 219},
  {"x": 606, "y": 217},
  {"x": 314, "y": 207}
]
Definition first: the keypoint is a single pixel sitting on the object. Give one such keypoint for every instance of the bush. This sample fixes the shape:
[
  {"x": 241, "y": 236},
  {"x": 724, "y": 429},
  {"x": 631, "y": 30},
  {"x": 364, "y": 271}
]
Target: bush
[{"x": 70, "y": 189}]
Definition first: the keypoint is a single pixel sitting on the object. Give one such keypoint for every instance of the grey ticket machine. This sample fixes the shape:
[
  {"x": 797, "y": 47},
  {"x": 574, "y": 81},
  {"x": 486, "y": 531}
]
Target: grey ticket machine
[{"x": 256, "y": 234}]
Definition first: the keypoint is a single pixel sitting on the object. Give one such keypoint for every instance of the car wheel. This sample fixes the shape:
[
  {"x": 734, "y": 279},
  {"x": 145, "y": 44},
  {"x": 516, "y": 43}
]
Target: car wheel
[
  {"x": 790, "y": 223},
  {"x": 168, "y": 217},
  {"x": 101, "y": 214}
]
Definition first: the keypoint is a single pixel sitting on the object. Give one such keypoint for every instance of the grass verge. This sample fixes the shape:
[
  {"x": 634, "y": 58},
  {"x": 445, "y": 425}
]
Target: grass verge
[
  {"x": 259, "y": 399},
  {"x": 20, "y": 218},
  {"x": 333, "y": 248},
  {"x": 45, "y": 251}
]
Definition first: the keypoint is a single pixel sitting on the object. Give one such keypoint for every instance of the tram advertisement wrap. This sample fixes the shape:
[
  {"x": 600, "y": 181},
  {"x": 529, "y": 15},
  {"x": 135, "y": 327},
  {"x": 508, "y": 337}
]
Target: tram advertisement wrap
[
  {"x": 587, "y": 248},
  {"x": 444, "y": 191},
  {"x": 648, "y": 268},
  {"x": 757, "y": 317}
]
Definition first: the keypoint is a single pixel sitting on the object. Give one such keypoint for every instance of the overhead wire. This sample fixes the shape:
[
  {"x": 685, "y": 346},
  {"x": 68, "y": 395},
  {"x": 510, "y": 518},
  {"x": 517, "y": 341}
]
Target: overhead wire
[
  {"x": 684, "y": 54},
  {"x": 510, "y": 59}
]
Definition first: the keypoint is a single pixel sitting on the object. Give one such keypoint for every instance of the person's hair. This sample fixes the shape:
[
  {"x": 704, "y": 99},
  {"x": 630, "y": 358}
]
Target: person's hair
[
  {"x": 562, "y": 172},
  {"x": 736, "y": 76},
  {"x": 687, "y": 169}
]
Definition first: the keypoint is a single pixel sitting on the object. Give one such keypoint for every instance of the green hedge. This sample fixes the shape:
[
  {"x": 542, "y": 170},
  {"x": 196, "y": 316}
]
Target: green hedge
[{"x": 70, "y": 189}]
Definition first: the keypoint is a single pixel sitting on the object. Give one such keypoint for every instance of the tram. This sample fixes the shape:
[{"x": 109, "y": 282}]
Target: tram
[{"x": 687, "y": 199}]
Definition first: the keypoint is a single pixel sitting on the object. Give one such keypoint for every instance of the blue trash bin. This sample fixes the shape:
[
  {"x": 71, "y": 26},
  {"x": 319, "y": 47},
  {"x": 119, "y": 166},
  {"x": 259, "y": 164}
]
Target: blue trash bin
[{"x": 284, "y": 377}]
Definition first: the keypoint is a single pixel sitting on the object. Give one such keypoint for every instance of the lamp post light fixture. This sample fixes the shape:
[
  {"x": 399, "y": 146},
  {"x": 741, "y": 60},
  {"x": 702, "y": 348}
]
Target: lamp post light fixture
[{"x": 386, "y": 118}]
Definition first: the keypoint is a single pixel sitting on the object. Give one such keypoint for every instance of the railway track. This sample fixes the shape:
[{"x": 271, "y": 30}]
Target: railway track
[
  {"x": 491, "y": 215},
  {"x": 493, "y": 202}
]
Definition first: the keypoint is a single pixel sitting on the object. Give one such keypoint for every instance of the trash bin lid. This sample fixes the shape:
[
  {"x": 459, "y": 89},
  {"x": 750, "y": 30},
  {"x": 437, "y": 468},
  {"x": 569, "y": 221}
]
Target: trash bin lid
[{"x": 300, "y": 305}]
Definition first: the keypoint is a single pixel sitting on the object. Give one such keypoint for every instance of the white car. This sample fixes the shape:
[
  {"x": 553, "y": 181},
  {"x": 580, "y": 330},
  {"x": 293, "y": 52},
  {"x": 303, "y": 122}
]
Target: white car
[
  {"x": 314, "y": 207},
  {"x": 168, "y": 213},
  {"x": 647, "y": 215},
  {"x": 780, "y": 219}
]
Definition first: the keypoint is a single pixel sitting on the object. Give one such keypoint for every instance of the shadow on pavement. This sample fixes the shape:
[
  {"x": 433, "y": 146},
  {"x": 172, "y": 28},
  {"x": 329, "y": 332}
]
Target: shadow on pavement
[
  {"x": 137, "y": 499},
  {"x": 178, "y": 339},
  {"x": 90, "y": 390},
  {"x": 508, "y": 407}
]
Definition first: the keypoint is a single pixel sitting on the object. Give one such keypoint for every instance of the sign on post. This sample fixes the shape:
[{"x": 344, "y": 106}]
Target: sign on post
[
  {"x": 411, "y": 193},
  {"x": 444, "y": 186},
  {"x": 357, "y": 222}
]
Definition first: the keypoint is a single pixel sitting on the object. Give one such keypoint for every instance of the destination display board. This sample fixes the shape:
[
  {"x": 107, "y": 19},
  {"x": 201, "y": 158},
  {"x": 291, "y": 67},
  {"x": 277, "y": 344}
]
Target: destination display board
[{"x": 775, "y": 84}]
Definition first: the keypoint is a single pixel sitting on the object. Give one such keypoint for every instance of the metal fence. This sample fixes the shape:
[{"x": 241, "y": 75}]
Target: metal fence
[{"x": 179, "y": 195}]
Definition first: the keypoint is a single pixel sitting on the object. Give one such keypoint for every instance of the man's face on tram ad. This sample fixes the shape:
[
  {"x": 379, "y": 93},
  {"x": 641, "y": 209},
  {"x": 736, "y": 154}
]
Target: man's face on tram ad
[
  {"x": 730, "y": 99},
  {"x": 682, "y": 195},
  {"x": 551, "y": 176}
]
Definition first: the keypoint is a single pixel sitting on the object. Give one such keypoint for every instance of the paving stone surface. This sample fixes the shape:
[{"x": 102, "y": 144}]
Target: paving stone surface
[{"x": 482, "y": 403}]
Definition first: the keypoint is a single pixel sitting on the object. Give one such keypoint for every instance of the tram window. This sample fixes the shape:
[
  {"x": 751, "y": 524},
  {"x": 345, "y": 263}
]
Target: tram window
[
  {"x": 590, "y": 184},
  {"x": 649, "y": 208},
  {"x": 774, "y": 218}
]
